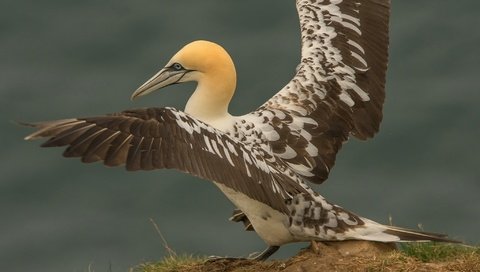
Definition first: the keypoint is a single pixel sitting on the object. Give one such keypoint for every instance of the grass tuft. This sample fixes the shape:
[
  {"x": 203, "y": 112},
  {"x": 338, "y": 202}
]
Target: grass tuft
[
  {"x": 411, "y": 257},
  {"x": 171, "y": 263},
  {"x": 437, "y": 252}
]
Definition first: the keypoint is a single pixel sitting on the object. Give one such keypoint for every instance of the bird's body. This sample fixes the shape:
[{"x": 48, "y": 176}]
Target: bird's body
[{"x": 262, "y": 160}]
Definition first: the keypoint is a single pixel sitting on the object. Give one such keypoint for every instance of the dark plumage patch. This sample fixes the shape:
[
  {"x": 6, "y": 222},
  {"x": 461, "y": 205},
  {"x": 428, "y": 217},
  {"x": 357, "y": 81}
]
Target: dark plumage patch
[
  {"x": 344, "y": 52},
  {"x": 159, "y": 138}
]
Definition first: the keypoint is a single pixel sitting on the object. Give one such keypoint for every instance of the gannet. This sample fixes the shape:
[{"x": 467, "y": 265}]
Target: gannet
[{"x": 263, "y": 160}]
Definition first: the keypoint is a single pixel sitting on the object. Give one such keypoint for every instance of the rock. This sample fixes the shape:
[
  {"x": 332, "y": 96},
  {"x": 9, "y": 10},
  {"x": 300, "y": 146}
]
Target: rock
[
  {"x": 361, "y": 248},
  {"x": 336, "y": 256}
]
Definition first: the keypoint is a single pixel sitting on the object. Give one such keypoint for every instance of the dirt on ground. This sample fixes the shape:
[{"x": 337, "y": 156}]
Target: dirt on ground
[{"x": 345, "y": 256}]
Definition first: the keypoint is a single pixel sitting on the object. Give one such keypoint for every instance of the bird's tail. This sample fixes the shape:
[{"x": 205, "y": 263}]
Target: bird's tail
[
  {"x": 374, "y": 231},
  {"x": 408, "y": 235}
]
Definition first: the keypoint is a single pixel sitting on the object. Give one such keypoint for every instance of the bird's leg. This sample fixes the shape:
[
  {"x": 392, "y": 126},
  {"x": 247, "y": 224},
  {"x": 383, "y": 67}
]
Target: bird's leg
[
  {"x": 258, "y": 257},
  {"x": 314, "y": 246}
]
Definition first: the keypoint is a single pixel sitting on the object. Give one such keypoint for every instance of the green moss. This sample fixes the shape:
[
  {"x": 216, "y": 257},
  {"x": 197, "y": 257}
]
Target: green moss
[{"x": 435, "y": 252}]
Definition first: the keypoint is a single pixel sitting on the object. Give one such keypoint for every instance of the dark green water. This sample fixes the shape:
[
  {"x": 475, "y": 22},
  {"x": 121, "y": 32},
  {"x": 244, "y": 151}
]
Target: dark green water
[{"x": 60, "y": 59}]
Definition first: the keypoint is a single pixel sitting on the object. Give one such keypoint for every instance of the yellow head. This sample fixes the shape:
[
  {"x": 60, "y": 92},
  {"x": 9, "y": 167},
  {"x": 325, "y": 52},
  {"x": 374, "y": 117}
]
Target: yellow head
[{"x": 202, "y": 61}]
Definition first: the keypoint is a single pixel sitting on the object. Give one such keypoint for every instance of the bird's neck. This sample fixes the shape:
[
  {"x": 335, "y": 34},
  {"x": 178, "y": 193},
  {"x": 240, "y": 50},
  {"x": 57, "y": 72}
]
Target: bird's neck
[{"x": 209, "y": 103}]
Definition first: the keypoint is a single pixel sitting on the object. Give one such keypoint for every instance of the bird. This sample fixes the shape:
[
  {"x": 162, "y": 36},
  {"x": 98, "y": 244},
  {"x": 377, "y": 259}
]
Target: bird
[{"x": 263, "y": 161}]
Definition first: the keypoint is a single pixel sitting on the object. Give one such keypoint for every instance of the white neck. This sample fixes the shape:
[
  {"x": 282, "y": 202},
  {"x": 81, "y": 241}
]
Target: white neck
[{"x": 209, "y": 106}]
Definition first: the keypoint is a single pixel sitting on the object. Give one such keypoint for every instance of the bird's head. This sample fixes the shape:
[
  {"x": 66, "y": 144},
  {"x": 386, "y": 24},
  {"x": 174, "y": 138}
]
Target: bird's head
[{"x": 202, "y": 61}]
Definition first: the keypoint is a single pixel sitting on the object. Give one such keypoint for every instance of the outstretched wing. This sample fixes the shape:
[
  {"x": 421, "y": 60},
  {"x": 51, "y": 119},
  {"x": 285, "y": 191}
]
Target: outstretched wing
[
  {"x": 338, "y": 89},
  {"x": 157, "y": 138}
]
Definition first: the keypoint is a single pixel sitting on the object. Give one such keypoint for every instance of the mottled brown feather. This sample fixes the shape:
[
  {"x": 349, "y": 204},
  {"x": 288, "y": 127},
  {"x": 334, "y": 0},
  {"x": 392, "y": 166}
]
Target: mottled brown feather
[
  {"x": 336, "y": 120},
  {"x": 154, "y": 138}
]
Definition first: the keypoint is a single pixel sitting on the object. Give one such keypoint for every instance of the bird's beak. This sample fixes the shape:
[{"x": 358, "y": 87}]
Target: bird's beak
[{"x": 165, "y": 77}]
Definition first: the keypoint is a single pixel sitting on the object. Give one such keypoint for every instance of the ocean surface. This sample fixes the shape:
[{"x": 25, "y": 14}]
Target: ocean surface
[{"x": 61, "y": 59}]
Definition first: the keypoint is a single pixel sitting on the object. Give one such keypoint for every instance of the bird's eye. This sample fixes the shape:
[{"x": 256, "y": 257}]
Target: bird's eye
[{"x": 177, "y": 66}]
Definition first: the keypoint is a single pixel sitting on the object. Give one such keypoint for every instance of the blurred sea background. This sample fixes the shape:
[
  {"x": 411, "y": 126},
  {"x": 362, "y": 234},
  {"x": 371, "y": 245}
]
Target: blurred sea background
[{"x": 61, "y": 59}]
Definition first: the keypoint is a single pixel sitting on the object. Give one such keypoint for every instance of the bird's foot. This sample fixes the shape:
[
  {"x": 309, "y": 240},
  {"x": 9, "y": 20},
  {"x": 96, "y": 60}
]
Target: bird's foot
[
  {"x": 215, "y": 259},
  {"x": 263, "y": 255},
  {"x": 239, "y": 216},
  {"x": 252, "y": 257}
]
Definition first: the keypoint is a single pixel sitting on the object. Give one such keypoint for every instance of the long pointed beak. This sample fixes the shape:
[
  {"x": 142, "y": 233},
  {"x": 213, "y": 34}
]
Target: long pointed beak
[{"x": 165, "y": 77}]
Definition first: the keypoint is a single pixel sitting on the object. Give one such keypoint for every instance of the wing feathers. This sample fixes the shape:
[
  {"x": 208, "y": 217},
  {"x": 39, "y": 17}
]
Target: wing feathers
[
  {"x": 339, "y": 85},
  {"x": 100, "y": 145},
  {"x": 149, "y": 139},
  {"x": 118, "y": 151}
]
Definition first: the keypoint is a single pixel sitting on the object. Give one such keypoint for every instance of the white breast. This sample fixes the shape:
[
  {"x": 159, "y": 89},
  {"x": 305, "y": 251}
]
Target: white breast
[{"x": 269, "y": 224}]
